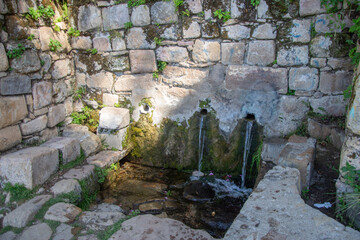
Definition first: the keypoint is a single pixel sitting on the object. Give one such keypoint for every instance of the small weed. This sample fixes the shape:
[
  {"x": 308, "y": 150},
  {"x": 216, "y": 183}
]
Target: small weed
[
  {"x": 128, "y": 25},
  {"x": 87, "y": 198},
  {"x": 204, "y": 103},
  {"x": 88, "y": 117},
  {"x": 161, "y": 66},
  {"x": 19, "y": 192},
  {"x": 186, "y": 13},
  {"x": 255, "y": 3},
  {"x": 30, "y": 37},
  {"x": 158, "y": 41},
  {"x": 54, "y": 45},
  {"x": 73, "y": 32},
  {"x": 347, "y": 92},
  {"x": 9, "y": 228},
  {"x": 256, "y": 160},
  {"x": 312, "y": 30},
  {"x": 79, "y": 93},
  {"x": 305, "y": 193},
  {"x": 93, "y": 51},
  {"x": 101, "y": 173},
  {"x": 135, "y": 3},
  {"x": 156, "y": 74},
  {"x": 222, "y": 15},
  {"x": 178, "y": 3},
  {"x": 16, "y": 52},
  {"x": 274, "y": 62},
  {"x": 41, "y": 12},
  {"x": 201, "y": 14},
  {"x": 42, "y": 62},
  {"x": 290, "y": 92},
  {"x": 56, "y": 28}
]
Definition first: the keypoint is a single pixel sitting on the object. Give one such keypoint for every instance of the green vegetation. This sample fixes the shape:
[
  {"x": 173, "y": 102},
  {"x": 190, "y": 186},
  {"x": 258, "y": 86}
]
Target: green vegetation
[
  {"x": 54, "y": 45},
  {"x": 256, "y": 161},
  {"x": 222, "y": 15},
  {"x": 78, "y": 161},
  {"x": 9, "y": 228},
  {"x": 348, "y": 92},
  {"x": 290, "y": 92},
  {"x": 101, "y": 174},
  {"x": 186, "y": 13},
  {"x": 16, "y": 52},
  {"x": 128, "y": 25},
  {"x": 201, "y": 14},
  {"x": 204, "y": 103},
  {"x": 305, "y": 193},
  {"x": 88, "y": 117},
  {"x": 41, "y": 12},
  {"x": 79, "y": 93},
  {"x": 30, "y": 37},
  {"x": 178, "y": 3},
  {"x": 158, "y": 41},
  {"x": 135, "y": 3},
  {"x": 56, "y": 28},
  {"x": 312, "y": 30},
  {"x": 161, "y": 66},
  {"x": 42, "y": 62},
  {"x": 255, "y": 3},
  {"x": 19, "y": 192},
  {"x": 93, "y": 51},
  {"x": 87, "y": 197},
  {"x": 73, "y": 32}
]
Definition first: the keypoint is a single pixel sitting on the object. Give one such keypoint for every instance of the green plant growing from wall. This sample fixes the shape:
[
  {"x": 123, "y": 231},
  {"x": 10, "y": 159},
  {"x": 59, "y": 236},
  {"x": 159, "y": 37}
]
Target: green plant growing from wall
[
  {"x": 128, "y": 25},
  {"x": 290, "y": 92},
  {"x": 135, "y": 3},
  {"x": 19, "y": 192},
  {"x": 73, "y": 32},
  {"x": 16, "y": 52},
  {"x": 30, "y": 37},
  {"x": 222, "y": 15},
  {"x": 312, "y": 30},
  {"x": 54, "y": 45},
  {"x": 255, "y": 3},
  {"x": 79, "y": 93},
  {"x": 41, "y": 12},
  {"x": 56, "y": 28},
  {"x": 93, "y": 51},
  {"x": 178, "y": 4},
  {"x": 161, "y": 66},
  {"x": 158, "y": 41},
  {"x": 256, "y": 161},
  {"x": 186, "y": 13},
  {"x": 88, "y": 117}
]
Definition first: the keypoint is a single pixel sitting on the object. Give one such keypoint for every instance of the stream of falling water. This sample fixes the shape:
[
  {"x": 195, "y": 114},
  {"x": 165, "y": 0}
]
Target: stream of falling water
[
  {"x": 201, "y": 141},
  {"x": 248, "y": 138}
]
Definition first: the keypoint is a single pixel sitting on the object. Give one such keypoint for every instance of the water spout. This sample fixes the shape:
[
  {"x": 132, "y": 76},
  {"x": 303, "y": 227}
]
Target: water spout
[
  {"x": 201, "y": 140},
  {"x": 248, "y": 138}
]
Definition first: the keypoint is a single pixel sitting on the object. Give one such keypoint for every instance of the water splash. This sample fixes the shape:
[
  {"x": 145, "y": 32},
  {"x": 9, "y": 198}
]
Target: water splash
[
  {"x": 201, "y": 141},
  {"x": 225, "y": 188},
  {"x": 248, "y": 138}
]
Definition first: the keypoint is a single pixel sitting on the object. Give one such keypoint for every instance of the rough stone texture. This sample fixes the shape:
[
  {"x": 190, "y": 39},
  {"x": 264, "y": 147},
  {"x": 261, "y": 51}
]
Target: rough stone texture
[
  {"x": 67, "y": 186},
  {"x": 236, "y": 32},
  {"x": 172, "y": 54},
  {"x": 68, "y": 147},
  {"x": 25, "y": 212},
  {"x": 179, "y": 76},
  {"x": 350, "y": 152},
  {"x": 142, "y": 61},
  {"x": 47, "y": 61},
  {"x": 60, "y": 90},
  {"x": 46, "y": 34},
  {"x": 114, "y": 118},
  {"x": 299, "y": 152},
  {"x": 232, "y": 53},
  {"x": 303, "y": 79},
  {"x": 102, "y": 80},
  {"x": 81, "y": 42},
  {"x": 140, "y": 15},
  {"x": 110, "y": 99},
  {"x": 42, "y": 94},
  {"x": 340, "y": 64},
  {"x": 192, "y": 31},
  {"x": 116, "y": 63},
  {"x": 28, "y": 62},
  {"x": 206, "y": 51},
  {"x": 4, "y": 63},
  {"x": 115, "y": 17},
  {"x": 8, "y": 236},
  {"x": 262, "y": 10},
  {"x": 100, "y": 220},
  {"x": 101, "y": 42},
  {"x": 263, "y": 218},
  {"x": 89, "y": 18},
  {"x": 151, "y": 227},
  {"x": 61, "y": 69},
  {"x": 118, "y": 44},
  {"x": 106, "y": 158},
  {"x": 88, "y": 237},
  {"x": 265, "y": 31},
  {"x": 353, "y": 116},
  {"x": 62, "y": 212},
  {"x": 16, "y": 27},
  {"x": 337, "y": 137},
  {"x": 318, "y": 62},
  {"x": 48, "y": 133},
  {"x": 261, "y": 53},
  {"x": 40, "y": 231},
  {"x": 195, "y": 6},
  {"x": 333, "y": 105},
  {"x": 320, "y": 46},
  {"x": 15, "y": 84},
  {"x": 85, "y": 173},
  {"x": 310, "y": 7},
  {"x": 294, "y": 56},
  {"x": 272, "y": 148},
  {"x": 56, "y": 115},
  {"x": 171, "y": 33},
  {"x": 9, "y": 137},
  {"x": 248, "y": 77},
  {"x": 300, "y": 32},
  {"x": 89, "y": 142},
  {"x": 63, "y": 232},
  {"x": 114, "y": 140},
  {"x": 34, "y": 126},
  {"x": 12, "y": 110},
  {"x": 334, "y": 83},
  {"x": 323, "y": 23},
  {"x": 318, "y": 130},
  {"x": 136, "y": 39},
  {"x": 164, "y": 12},
  {"x": 30, "y": 166}
]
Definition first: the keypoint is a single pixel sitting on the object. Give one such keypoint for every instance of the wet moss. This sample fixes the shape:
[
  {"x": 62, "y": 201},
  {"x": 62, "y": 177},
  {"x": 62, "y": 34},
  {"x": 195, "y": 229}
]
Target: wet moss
[
  {"x": 153, "y": 31},
  {"x": 279, "y": 8},
  {"x": 89, "y": 59},
  {"x": 211, "y": 29}
]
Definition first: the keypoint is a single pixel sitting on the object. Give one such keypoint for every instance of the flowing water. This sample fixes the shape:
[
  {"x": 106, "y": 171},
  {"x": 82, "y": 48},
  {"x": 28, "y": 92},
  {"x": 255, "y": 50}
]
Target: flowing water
[
  {"x": 201, "y": 141},
  {"x": 247, "y": 146}
]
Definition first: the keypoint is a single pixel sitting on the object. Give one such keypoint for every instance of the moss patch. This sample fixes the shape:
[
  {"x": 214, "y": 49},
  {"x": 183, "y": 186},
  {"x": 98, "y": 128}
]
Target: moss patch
[{"x": 279, "y": 8}]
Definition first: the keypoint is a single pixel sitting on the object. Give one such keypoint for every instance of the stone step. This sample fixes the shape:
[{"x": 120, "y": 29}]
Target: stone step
[
  {"x": 106, "y": 158},
  {"x": 68, "y": 147},
  {"x": 30, "y": 166},
  {"x": 272, "y": 148},
  {"x": 84, "y": 173},
  {"x": 323, "y": 131}
]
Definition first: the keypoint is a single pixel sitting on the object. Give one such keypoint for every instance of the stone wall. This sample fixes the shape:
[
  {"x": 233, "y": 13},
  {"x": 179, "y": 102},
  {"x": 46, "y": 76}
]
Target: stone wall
[{"x": 244, "y": 66}]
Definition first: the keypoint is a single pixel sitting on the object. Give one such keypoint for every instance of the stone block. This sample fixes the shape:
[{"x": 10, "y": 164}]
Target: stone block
[
  {"x": 113, "y": 139},
  {"x": 118, "y": 44},
  {"x": 3, "y": 7},
  {"x": 42, "y": 94},
  {"x": 101, "y": 42},
  {"x": 64, "y": 232},
  {"x": 261, "y": 52},
  {"x": 56, "y": 115},
  {"x": 310, "y": 7},
  {"x": 89, "y": 18},
  {"x": 192, "y": 31},
  {"x": 33, "y": 126},
  {"x": 25, "y": 212},
  {"x": 137, "y": 39},
  {"x": 195, "y": 6},
  {"x": 206, "y": 51},
  {"x": 333, "y": 105},
  {"x": 249, "y": 77},
  {"x": 102, "y": 80},
  {"x": 350, "y": 152},
  {"x": 299, "y": 153},
  {"x": 136, "y": 83},
  {"x": 16, "y": 26},
  {"x": 49, "y": 133},
  {"x": 116, "y": 63},
  {"x": 294, "y": 56},
  {"x": 318, "y": 62},
  {"x": 232, "y": 53},
  {"x": 84, "y": 173},
  {"x": 12, "y": 110},
  {"x": 337, "y": 137},
  {"x": 327, "y": 23},
  {"x": 81, "y": 42},
  {"x": 89, "y": 142},
  {"x": 172, "y": 54},
  {"x": 142, "y": 61},
  {"x": 46, "y": 33},
  {"x": 61, "y": 69},
  {"x": 61, "y": 89},
  {"x": 171, "y": 33},
  {"x": 303, "y": 79},
  {"x": 210, "y": 30},
  {"x": 8, "y": 235},
  {"x": 110, "y": 100},
  {"x": 4, "y": 63},
  {"x": 115, "y": 17},
  {"x": 140, "y": 15},
  {"x": 62, "y": 212},
  {"x": 300, "y": 31},
  {"x": 340, "y": 64},
  {"x": 40, "y": 231},
  {"x": 114, "y": 118},
  {"x": 335, "y": 83},
  {"x": 353, "y": 116},
  {"x": 184, "y": 76},
  {"x": 320, "y": 46},
  {"x": 265, "y": 31},
  {"x": 15, "y": 84},
  {"x": 163, "y": 13},
  {"x": 67, "y": 186},
  {"x": 47, "y": 61},
  {"x": 28, "y": 62},
  {"x": 272, "y": 148},
  {"x": 106, "y": 158},
  {"x": 9, "y": 137},
  {"x": 69, "y": 148},
  {"x": 318, "y": 130},
  {"x": 236, "y": 32},
  {"x": 29, "y": 166},
  {"x": 100, "y": 220}
]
